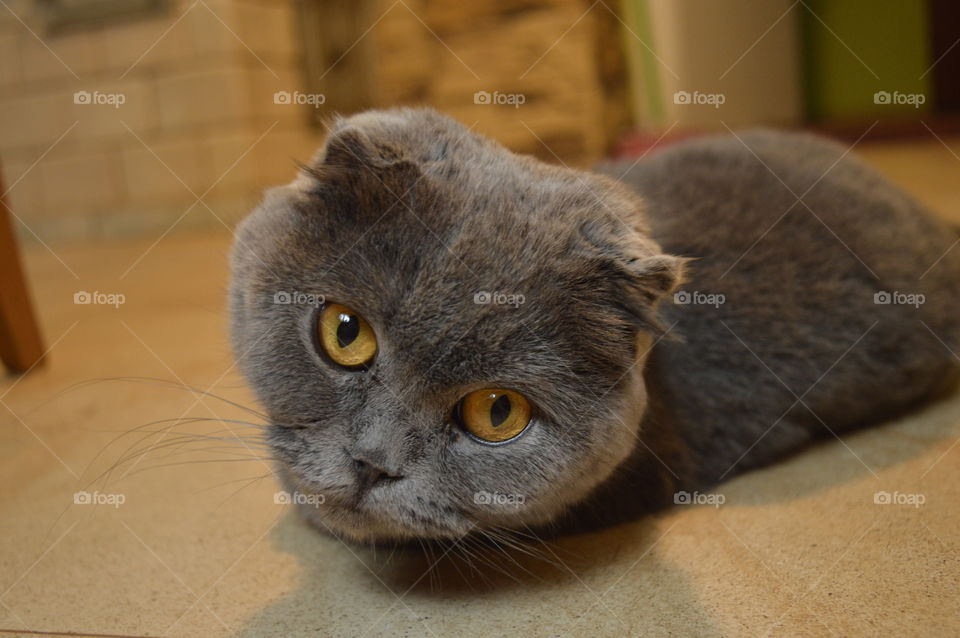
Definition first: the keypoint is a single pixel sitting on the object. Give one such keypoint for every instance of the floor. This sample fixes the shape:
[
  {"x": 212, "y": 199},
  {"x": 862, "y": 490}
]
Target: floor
[{"x": 185, "y": 537}]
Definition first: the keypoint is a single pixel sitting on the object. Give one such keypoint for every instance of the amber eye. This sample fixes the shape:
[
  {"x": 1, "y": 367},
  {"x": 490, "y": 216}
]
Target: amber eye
[
  {"x": 493, "y": 415},
  {"x": 345, "y": 336}
]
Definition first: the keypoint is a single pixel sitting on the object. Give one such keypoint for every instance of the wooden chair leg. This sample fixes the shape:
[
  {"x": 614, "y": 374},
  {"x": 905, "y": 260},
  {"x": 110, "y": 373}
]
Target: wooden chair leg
[{"x": 20, "y": 344}]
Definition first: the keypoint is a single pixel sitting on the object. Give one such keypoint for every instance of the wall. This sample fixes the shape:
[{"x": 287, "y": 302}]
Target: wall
[
  {"x": 190, "y": 133},
  {"x": 196, "y": 87},
  {"x": 562, "y": 58}
]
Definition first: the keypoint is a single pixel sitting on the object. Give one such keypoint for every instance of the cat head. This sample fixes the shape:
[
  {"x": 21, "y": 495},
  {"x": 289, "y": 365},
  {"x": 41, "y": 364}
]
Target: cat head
[{"x": 446, "y": 336}]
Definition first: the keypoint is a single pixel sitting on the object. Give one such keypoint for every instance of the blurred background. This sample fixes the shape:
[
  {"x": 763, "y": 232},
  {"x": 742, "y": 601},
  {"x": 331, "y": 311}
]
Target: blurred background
[
  {"x": 117, "y": 116},
  {"x": 135, "y": 495}
]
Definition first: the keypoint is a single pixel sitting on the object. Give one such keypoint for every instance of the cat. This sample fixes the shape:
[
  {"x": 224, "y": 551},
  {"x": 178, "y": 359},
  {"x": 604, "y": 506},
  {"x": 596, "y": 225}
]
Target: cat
[{"x": 452, "y": 339}]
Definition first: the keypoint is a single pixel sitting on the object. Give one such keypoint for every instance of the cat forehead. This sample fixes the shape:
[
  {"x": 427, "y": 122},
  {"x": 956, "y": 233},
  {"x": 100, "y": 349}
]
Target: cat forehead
[{"x": 447, "y": 151}]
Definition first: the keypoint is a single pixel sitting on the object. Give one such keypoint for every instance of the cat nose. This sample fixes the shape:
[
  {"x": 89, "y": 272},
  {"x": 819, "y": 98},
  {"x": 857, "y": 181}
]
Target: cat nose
[{"x": 369, "y": 472}]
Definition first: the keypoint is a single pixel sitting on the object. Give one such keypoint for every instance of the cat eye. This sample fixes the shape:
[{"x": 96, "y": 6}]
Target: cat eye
[
  {"x": 345, "y": 336},
  {"x": 493, "y": 415}
]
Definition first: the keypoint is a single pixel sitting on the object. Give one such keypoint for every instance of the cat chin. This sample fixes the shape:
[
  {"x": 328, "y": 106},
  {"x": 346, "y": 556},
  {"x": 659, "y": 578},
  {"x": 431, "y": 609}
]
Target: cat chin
[{"x": 361, "y": 528}]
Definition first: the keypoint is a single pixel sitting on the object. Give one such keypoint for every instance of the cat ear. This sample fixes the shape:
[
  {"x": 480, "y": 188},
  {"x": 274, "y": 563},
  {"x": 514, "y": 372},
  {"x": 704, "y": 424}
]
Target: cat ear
[
  {"x": 633, "y": 286},
  {"x": 645, "y": 282},
  {"x": 352, "y": 155},
  {"x": 628, "y": 269}
]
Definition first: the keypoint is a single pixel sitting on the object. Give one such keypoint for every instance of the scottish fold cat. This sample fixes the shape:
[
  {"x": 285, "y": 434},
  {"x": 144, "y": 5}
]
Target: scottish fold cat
[{"x": 453, "y": 339}]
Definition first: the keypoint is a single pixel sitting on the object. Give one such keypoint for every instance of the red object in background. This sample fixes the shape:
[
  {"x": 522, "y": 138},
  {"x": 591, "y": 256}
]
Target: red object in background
[{"x": 634, "y": 145}]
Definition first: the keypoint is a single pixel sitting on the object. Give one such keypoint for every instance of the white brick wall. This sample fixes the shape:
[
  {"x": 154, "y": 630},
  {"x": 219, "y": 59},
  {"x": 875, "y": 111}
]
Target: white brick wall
[
  {"x": 198, "y": 86},
  {"x": 196, "y": 93}
]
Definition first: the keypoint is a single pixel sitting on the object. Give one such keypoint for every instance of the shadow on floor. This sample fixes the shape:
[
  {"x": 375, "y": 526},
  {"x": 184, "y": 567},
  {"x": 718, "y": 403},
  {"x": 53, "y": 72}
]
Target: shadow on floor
[{"x": 565, "y": 586}]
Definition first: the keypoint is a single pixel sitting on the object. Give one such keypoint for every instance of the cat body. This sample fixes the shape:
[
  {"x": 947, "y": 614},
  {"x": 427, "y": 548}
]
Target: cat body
[
  {"x": 820, "y": 299},
  {"x": 669, "y": 328}
]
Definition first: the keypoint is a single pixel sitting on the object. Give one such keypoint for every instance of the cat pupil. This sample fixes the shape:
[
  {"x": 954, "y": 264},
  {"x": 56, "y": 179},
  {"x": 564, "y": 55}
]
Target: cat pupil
[
  {"x": 499, "y": 410},
  {"x": 348, "y": 330}
]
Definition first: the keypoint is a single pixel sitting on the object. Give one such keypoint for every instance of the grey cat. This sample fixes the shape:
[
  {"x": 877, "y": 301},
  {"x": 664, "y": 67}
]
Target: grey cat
[{"x": 452, "y": 339}]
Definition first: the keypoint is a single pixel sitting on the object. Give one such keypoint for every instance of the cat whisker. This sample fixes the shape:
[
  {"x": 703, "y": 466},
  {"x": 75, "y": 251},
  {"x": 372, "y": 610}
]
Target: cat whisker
[
  {"x": 506, "y": 552},
  {"x": 155, "y": 381},
  {"x": 243, "y": 487},
  {"x": 457, "y": 548},
  {"x": 140, "y": 428},
  {"x": 198, "y": 462},
  {"x": 177, "y": 442},
  {"x": 232, "y": 481},
  {"x": 138, "y": 451},
  {"x": 481, "y": 551},
  {"x": 470, "y": 554},
  {"x": 515, "y": 539}
]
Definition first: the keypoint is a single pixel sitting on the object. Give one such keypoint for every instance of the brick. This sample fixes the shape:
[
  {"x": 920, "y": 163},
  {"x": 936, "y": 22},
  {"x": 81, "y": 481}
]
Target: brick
[
  {"x": 33, "y": 121},
  {"x": 139, "y": 109},
  {"x": 80, "y": 53},
  {"x": 10, "y": 70},
  {"x": 262, "y": 89},
  {"x": 153, "y": 175},
  {"x": 207, "y": 98},
  {"x": 209, "y": 38},
  {"x": 268, "y": 29},
  {"x": 80, "y": 184},
  {"x": 224, "y": 151},
  {"x": 21, "y": 8},
  {"x": 25, "y": 195},
  {"x": 278, "y": 153},
  {"x": 271, "y": 162},
  {"x": 141, "y": 45}
]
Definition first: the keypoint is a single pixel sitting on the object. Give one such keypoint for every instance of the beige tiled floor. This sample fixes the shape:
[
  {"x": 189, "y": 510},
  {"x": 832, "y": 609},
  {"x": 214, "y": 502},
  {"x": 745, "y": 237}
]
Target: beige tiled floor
[{"x": 199, "y": 548}]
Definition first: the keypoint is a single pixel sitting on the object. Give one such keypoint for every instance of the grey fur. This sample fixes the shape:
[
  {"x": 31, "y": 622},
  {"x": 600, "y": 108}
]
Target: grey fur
[{"x": 405, "y": 216}]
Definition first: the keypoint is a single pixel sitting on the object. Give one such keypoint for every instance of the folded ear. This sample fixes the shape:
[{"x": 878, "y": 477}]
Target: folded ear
[
  {"x": 627, "y": 268},
  {"x": 354, "y": 164},
  {"x": 647, "y": 281},
  {"x": 636, "y": 285}
]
